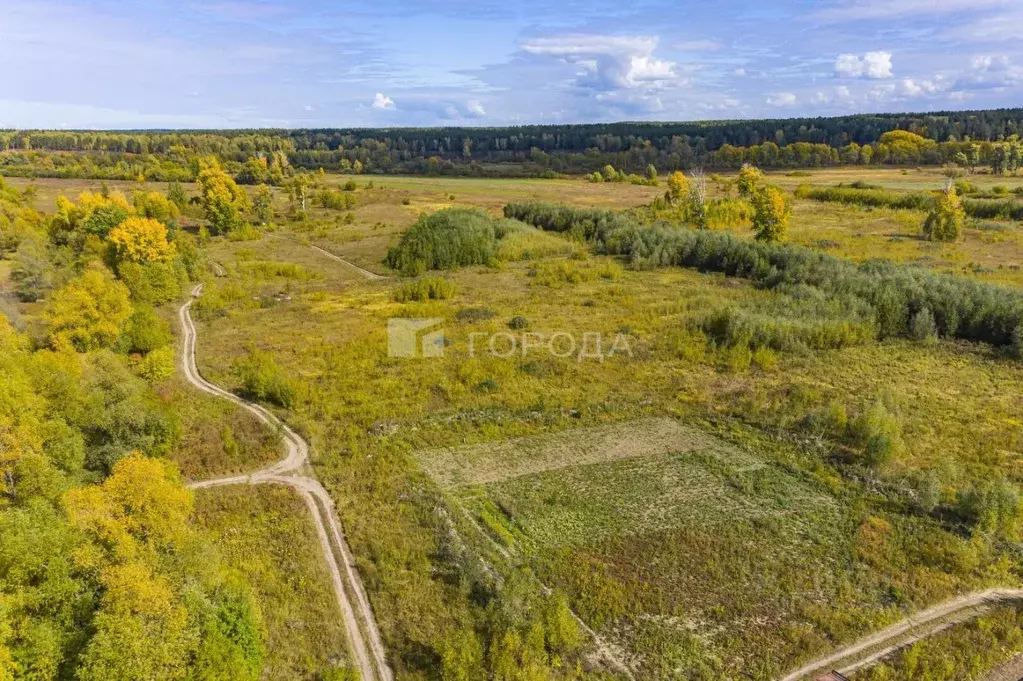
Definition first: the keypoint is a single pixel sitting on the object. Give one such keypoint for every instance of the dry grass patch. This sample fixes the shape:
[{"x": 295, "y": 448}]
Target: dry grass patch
[{"x": 493, "y": 462}]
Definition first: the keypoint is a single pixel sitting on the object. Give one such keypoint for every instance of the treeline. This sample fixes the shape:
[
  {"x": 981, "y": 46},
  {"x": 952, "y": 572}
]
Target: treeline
[
  {"x": 904, "y": 299},
  {"x": 538, "y": 150}
]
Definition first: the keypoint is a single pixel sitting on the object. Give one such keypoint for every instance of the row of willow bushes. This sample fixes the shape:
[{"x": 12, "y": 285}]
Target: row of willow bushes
[
  {"x": 982, "y": 209},
  {"x": 959, "y": 307}
]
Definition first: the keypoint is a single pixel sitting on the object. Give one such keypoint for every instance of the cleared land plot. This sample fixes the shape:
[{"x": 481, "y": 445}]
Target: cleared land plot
[{"x": 489, "y": 463}]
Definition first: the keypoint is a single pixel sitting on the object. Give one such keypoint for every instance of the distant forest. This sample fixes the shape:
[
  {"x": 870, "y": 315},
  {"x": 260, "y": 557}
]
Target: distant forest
[{"x": 521, "y": 151}]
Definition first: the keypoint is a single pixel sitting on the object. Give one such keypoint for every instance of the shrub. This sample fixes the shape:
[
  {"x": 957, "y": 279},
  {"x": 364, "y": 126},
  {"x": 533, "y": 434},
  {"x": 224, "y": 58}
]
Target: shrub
[
  {"x": 263, "y": 380},
  {"x": 433, "y": 288},
  {"x": 474, "y": 314},
  {"x": 518, "y": 323},
  {"x": 879, "y": 433},
  {"x": 447, "y": 239},
  {"x": 334, "y": 200}
]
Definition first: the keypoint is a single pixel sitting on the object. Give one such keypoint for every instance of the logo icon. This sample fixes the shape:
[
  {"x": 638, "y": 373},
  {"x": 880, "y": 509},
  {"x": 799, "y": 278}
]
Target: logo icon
[{"x": 414, "y": 338}]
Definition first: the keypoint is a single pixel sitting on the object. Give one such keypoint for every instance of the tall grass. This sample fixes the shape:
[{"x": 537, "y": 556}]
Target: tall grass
[{"x": 983, "y": 209}]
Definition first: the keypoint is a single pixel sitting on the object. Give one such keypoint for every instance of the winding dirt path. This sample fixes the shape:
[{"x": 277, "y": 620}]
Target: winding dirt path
[
  {"x": 293, "y": 470},
  {"x": 929, "y": 622}
]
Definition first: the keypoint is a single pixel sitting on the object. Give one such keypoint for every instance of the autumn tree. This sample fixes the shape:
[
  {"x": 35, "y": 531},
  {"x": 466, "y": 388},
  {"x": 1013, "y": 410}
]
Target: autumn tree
[
  {"x": 946, "y": 219},
  {"x": 262, "y": 204},
  {"x": 750, "y": 178},
  {"x": 93, "y": 215},
  {"x": 222, "y": 199},
  {"x": 88, "y": 312},
  {"x": 155, "y": 206},
  {"x": 771, "y": 213},
  {"x": 678, "y": 187},
  {"x": 141, "y": 241}
]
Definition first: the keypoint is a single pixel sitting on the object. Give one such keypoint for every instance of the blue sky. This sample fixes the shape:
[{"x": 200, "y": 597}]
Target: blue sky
[{"x": 379, "y": 63}]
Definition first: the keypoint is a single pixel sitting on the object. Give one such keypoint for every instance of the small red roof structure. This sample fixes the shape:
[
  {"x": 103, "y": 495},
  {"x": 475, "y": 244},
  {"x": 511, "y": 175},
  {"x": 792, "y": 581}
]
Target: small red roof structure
[{"x": 832, "y": 676}]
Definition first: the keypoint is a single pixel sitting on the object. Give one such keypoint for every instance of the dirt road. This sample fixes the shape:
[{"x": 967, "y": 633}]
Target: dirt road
[
  {"x": 365, "y": 642},
  {"x": 926, "y": 623}
]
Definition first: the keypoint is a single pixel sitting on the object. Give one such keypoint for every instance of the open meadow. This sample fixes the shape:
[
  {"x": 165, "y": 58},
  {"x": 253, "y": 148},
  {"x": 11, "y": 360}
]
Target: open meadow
[{"x": 613, "y": 466}]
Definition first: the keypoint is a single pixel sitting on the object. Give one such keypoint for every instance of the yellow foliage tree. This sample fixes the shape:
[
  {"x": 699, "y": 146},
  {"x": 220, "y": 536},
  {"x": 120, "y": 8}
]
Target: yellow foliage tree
[
  {"x": 771, "y": 213},
  {"x": 946, "y": 220},
  {"x": 222, "y": 199},
  {"x": 141, "y": 629},
  {"x": 749, "y": 180},
  {"x": 88, "y": 312},
  {"x": 678, "y": 186},
  {"x": 141, "y": 508},
  {"x": 142, "y": 241},
  {"x": 94, "y": 214}
]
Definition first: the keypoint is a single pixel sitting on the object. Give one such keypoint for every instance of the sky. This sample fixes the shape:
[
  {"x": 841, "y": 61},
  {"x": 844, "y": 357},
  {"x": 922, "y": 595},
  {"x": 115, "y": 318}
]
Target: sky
[{"x": 388, "y": 63}]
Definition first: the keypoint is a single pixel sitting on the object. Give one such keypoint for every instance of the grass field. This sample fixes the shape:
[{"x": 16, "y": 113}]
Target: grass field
[
  {"x": 703, "y": 506},
  {"x": 265, "y": 532}
]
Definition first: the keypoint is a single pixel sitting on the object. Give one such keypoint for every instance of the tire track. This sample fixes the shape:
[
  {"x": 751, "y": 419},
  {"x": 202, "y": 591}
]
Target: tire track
[
  {"x": 938, "y": 618},
  {"x": 364, "y": 637}
]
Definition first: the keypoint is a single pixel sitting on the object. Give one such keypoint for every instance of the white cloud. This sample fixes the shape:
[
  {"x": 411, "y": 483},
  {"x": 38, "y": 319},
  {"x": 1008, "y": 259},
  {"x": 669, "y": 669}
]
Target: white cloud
[
  {"x": 921, "y": 87},
  {"x": 871, "y": 65},
  {"x": 380, "y": 101},
  {"x": 610, "y": 63},
  {"x": 990, "y": 72},
  {"x": 781, "y": 99},
  {"x": 739, "y": 72},
  {"x": 475, "y": 108}
]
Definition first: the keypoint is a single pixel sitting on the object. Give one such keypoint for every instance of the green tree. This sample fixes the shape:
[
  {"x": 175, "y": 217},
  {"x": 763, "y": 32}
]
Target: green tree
[{"x": 262, "y": 204}]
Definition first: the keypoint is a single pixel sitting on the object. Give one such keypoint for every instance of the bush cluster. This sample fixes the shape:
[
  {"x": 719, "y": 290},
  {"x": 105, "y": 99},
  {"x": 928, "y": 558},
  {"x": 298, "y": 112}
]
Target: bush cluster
[
  {"x": 960, "y": 308},
  {"x": 450, "y": 238}
]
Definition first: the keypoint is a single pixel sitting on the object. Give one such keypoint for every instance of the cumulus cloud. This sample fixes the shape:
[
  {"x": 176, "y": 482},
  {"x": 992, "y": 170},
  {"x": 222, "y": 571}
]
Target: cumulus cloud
[
  {"x": 781, "y": 99},
  {"x": 475, "y": 108},
  {"x": 921, "y": 87},
  {"x": 381, "y": 101},
  {"x": 609, "y": 63},
  {"x": 990, "y": 72},
  {"x": 870, "y": 65}
]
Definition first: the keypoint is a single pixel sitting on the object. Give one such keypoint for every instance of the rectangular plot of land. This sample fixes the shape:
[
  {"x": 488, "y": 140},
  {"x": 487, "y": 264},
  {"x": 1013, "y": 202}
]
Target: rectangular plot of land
[{"x": 493, "y": 462}]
